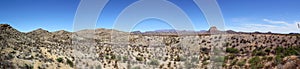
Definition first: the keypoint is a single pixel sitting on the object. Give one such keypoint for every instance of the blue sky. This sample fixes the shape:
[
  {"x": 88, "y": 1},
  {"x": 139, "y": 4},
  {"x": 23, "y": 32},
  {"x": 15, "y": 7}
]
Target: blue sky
[{"x": 279, "y": 16}]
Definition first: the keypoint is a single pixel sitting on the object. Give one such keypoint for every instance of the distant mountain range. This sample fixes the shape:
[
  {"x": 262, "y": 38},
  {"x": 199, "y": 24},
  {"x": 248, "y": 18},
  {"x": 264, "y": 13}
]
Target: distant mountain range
[{"x": 212, "y": 30}]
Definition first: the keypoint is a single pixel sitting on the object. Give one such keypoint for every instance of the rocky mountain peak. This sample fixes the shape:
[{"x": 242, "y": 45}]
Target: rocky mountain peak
[
  {"x": 213, "y": 29},
  {"x": 39, "y": 31},
  {"x": 5, "y": 26},
  {"x": 60, "y": 32}
]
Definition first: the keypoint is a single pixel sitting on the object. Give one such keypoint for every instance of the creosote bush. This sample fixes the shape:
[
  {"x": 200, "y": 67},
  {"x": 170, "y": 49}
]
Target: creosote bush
[
  {"x": 70, "y": 63},
  {"x": 60, "y": 59},
  {"x": 232, "y": 50},
  {"x": 139, "y": 58},
  {"x": 154, "y": 62}
]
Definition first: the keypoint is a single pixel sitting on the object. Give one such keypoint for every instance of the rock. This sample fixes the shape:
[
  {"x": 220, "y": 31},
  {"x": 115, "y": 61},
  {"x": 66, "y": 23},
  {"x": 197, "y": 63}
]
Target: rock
[
  {"x": 213, "y": 30},
  {"x": 5, "y": 26}
]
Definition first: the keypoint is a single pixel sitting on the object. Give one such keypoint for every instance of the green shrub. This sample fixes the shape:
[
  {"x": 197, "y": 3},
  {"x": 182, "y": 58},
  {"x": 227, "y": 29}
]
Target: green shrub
[
  {"x": 230, "y": 56},
  {"x": 119, "y": 58},
  {"x": 232, "y": 50},
  {"x": 241, "y": 63},
  {"x": 278, "y": 59},
  {"x": 270, "y": 58},
  {"x": 234, "y": 62},
  {"x": 125, "y": 58},
  {"x": 154, "y": 62},
  {"x": 254, "y": 60},
  {"x": 180, "y": 58},
  {"x": 59, "y": 59},
  {"x": 98, "y": 67},
  {"x": 287, "y": 51},
  {"x": 218, "y": 58},
  {"x": 28, "y": 66},
  {"x": 70, "y": 63},
  {"x": 194, "y": 59},
  {"x": 259, "y": 66},
  {"x": 255, "y": 63},
  {"x": 205, "y": 63},
  {"x": 137, "y": 67},
  {"x": 279, "y": 50},
  {"x": 113, "y": 57},
  {"x": 139, "y": 58},
  {"x": 259, "y": 53},
  {"x": 267, "y": 50},
  {"x": 227, "y": 44}
]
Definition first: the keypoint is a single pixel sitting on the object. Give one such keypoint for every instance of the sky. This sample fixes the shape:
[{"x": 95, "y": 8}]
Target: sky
[{"x": 279, "y": 16}]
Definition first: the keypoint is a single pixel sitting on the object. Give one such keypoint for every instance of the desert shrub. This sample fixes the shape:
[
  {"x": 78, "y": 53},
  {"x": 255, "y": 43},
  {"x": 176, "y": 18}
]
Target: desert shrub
[
  {"x": 255, "y": 63},
  {"x": 290, "y": 51},
  {"x": 254, "y": 60},
  {"x": 154, "y": 62},
  {"x": 264, "y": 58},
  {"x": 137, "y": 67},
  {"x": 139, "y": 58},
  {"x": 258, "y": 66},
  {"x": 106, "y": 56},
  {"x": 278, "y": 59},
  {"x": 206, "y": 58},
  {"x": 125, "y": 58},
  {"x": 180, "y": 58},
  {"x": 230, "y": 56},
  {"x": 241, "y": 63},
  {"x": 226, "y": 44},
  {"x": 287, "y": 51},
  {"x": 279, "y": 50},
  {"x": 119, "y": 58},
  {"x": 267, "y": 50},
  {"x": 189, "y": 65},
  {"x": 59, "y": 59},
  {"x": 113, "y": 57},
  {"x": 205, "y": 63},
  {"x": 70, "y": 63},
  {"x": 218, "y": 58},
  {"x": 270, "y": 58},
  {"x": 205, "y": 50},
  {"x": 232, "y": 50},
  {"x": 259, "y": 53},
  {"x": 9, "y": 56},
  {"x": 28, "y": 66},
  {"x": 194, "y": 59},
  {"x": 98, "y": 67},
  {"x": 234, "y": 62}
]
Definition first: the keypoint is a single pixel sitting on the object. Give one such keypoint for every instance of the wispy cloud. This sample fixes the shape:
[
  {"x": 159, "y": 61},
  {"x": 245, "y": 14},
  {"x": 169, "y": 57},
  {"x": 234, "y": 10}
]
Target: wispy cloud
[
  {"x": 267, "y": 25},
  {"x": 274, "y": 22}
]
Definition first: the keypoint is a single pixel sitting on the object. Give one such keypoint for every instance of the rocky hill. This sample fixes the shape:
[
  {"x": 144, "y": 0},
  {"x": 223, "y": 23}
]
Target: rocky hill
[{"x": 112, "y": 49}]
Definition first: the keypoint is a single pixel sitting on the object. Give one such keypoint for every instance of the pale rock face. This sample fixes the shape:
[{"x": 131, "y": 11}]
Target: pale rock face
[{"x": 213, "y": 29}]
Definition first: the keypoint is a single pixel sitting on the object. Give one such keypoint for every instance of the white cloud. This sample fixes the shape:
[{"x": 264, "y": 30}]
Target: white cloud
[
  {"x": 274, "y": 22},
  {"x": 271, "y": 25}
]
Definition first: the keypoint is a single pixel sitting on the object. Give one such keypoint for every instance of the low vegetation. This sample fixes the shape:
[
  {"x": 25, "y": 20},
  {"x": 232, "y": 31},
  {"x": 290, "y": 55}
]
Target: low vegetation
[
  {"x": 154, "y": 62},
  {"x": 60, "y": 59},
  {"x": 70, "y": 63},
  {"x": 232, "y": 50},
  {"x": 255, "y": 62}
]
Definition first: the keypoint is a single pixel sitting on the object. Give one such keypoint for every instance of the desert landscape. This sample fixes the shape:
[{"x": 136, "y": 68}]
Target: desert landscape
[{"x": 113, "y": 49}]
